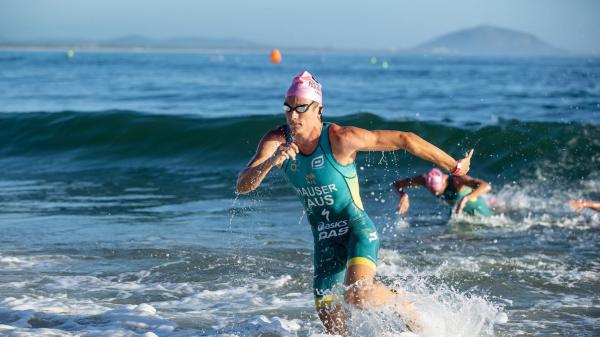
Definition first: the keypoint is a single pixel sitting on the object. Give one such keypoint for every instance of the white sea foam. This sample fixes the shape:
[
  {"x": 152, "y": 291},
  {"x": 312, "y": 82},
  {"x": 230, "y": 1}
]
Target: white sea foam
[
  {"x": 233, "y": 310},
  {"x": 57, "y": 304},
  {"x": 11, "y": 262},
  {"x": 129, "y": 320},
  {"x": 70, "y": 299},
  {"x": 136, "y": 321},
  {"x": 446, "y": 311}
]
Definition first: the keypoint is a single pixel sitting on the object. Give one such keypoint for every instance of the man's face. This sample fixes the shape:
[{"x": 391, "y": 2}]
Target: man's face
[{"x": 302, "y": 120}]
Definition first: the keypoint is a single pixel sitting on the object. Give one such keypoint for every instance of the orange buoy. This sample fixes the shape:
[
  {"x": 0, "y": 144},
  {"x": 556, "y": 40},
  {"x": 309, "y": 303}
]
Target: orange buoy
[{"x": 275, "y": 56}]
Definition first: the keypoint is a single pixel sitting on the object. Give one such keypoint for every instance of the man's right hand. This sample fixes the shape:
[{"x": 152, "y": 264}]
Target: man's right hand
[
  {"x": 404, "y": 204},
  {"x": 284, "y": 152}
]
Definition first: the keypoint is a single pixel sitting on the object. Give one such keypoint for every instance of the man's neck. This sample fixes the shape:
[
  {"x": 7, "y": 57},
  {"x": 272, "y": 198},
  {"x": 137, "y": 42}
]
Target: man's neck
[{"x": 307, "y": 141}]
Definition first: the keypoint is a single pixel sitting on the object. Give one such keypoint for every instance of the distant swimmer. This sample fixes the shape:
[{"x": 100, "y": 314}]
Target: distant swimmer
[
  {"x": 318, "y": 160},
  {"x": 464, "y": 193},
  {"x": 580, "y": 204}
]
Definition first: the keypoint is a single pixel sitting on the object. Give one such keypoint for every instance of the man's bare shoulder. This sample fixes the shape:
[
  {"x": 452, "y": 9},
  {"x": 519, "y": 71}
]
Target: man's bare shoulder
[
  {"x": 277, "y": 134},
  {"x": 350, "y": 136},
  {"x": 344, "y": 132}
]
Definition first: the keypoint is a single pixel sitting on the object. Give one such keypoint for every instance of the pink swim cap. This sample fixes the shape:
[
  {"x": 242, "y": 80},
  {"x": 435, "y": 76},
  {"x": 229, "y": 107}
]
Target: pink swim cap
[
  {"x": 434, "y": 180},
  {"x": 305, "y": 85}
]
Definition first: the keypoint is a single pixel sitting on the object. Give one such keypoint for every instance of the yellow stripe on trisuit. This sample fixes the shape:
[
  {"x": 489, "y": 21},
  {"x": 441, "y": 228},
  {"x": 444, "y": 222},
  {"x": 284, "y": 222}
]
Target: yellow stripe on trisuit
[
  {"x": 325, "y": 301},
  {"x": 354, "y": 192},
  {"x": 362, "y": 261}
]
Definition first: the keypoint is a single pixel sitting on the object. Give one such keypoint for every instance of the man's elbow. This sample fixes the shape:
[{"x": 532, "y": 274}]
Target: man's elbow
[
  {"x": 408, "y": 141},
  {"x": 242, "y": 188}
]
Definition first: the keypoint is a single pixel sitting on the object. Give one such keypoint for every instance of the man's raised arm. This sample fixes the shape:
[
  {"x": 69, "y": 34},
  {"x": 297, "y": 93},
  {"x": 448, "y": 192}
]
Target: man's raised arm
[{"x": 387, "y": 140}]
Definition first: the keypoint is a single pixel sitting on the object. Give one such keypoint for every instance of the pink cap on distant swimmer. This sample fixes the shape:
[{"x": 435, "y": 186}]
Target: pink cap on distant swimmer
[
  {"x": 305, "y": 85},
  {"x": 434, "y": 180}
]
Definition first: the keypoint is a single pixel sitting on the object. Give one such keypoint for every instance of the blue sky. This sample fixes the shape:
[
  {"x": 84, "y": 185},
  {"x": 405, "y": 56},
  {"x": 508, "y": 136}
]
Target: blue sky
[{"x": 568, "y": 24}]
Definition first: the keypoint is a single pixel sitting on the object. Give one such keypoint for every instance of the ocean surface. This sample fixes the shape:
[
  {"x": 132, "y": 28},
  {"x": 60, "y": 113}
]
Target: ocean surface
[{"x": 118, "y": 215}]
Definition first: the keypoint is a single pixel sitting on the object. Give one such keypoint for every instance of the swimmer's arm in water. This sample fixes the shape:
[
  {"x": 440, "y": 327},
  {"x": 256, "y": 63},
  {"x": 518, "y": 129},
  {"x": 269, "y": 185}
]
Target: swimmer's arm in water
[
  {"x": 398, "y": 185},
  {"x": 415, "y": 181},
  {"x": 346, "y": 141},
  {"x": 272, "y": 151},
  {"x": 478, "y": 186},
  {"x": 580, "y": 204}
]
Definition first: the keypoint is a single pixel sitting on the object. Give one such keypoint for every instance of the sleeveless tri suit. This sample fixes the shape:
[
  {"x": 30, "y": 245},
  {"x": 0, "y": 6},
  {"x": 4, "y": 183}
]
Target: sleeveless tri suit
[
  {"x": 476, "y": 207},
  {"x": 343, "y": 233}
]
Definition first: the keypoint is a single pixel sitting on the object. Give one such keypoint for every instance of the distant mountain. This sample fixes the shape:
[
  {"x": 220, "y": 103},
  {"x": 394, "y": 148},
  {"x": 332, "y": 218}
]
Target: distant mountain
[
  {"x": 137, "y": 42},
  {"x": 487, "y": 40}
]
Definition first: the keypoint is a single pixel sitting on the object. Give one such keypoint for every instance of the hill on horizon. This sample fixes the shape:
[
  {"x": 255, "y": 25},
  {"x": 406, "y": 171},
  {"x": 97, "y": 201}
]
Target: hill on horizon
[{"x": 487, "y": 40}]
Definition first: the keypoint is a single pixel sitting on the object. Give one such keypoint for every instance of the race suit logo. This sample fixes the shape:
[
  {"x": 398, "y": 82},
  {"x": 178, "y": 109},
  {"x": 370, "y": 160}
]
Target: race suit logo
[
  {"x": 372, "y": 236},
  {"x": 333, "y": 229},
  {"x": 325, "y": 213},
  {"x": 317, "y": 162}
]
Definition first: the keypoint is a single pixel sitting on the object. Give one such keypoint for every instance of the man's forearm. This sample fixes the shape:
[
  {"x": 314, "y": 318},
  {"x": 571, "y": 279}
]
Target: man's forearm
[
  {"x": 251, "y": 177},
  {"x": 404, "y": 183},
  {"x": 427, "y": 151},
  {"x": 397, "y": 186},
  {"x": 479, "y": 191}
]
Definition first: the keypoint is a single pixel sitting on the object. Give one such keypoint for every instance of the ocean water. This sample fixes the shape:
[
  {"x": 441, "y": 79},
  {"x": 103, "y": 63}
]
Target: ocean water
[{"x": 118, "y": 215}]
